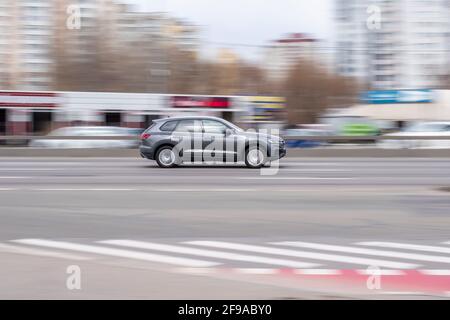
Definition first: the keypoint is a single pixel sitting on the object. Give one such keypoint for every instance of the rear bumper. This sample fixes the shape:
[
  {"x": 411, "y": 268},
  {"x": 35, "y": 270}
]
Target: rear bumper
[{"x": 147, "y": 152}]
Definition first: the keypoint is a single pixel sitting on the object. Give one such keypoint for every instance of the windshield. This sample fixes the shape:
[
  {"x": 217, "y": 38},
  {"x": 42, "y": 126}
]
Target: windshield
[{"x": 233, "y": 126}]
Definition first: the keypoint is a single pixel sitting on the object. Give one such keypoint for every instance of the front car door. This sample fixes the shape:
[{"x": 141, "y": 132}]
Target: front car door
[{"x": 219, "y": 143}]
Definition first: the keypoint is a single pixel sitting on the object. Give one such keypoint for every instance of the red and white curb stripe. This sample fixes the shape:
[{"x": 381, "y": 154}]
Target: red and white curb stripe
[
  {"x": 315, "y": 272},
  {"x": 394, "y": 282}
]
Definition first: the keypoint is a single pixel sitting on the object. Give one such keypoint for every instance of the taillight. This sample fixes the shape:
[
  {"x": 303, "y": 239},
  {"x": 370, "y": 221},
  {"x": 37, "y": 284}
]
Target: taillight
[{"x": 145, "y": 136}]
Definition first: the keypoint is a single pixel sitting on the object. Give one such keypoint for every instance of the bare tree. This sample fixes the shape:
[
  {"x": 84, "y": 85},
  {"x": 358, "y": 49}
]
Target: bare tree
[{"x": 310, "y": 90}]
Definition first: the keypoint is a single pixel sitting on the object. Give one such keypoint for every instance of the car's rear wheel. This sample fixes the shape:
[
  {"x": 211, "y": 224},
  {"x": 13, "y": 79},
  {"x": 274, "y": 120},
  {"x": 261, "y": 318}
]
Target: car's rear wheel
[
  {"x": 255, "y": 157},
  {"x": 166, "y": 157}
]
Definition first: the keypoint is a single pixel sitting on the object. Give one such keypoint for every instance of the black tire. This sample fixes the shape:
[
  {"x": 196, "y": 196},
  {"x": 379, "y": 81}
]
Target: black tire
[
  {"x": 262, "y": 157},
  {"x": 161, "y": 155}
]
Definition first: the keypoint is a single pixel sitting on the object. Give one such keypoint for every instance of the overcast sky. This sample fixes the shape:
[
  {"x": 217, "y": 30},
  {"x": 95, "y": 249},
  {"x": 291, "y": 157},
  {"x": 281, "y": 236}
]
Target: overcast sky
[{"x": 251, "y": 22}]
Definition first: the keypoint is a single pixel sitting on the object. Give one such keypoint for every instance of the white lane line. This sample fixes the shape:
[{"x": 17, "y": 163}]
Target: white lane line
[
  {"x": 293, "y": 163},
  {"x": 40, "y": 252},
  {"x": 255, "y": 270},
  {"x": 203, "y": 190},
  {"x": 315, "y": 170},
  {"x": 197, "y": 271},
  {"x": 407, "y": 246},
  {"x": 117, "y": 252},
  {"x": 148, "y": 190},
  {"x": 305, "y": 254},
  {"x": 446, "y": 242},
  {"x": 30, "y": 169},
  {"x": 15, "y": 177},
  {"x": 208, "y": 253},
  {"x": 436, "y": 272},
  {"x": 318, "y": 272},
  {"x": 381, "y": 272},
  {"x": 81, "y": 189},
  {"x": 371, "y": 252},
  {"x": 399, "y": 293},
  {"x": 292, "y": 178},
  {"x": 8, "y": 189}
]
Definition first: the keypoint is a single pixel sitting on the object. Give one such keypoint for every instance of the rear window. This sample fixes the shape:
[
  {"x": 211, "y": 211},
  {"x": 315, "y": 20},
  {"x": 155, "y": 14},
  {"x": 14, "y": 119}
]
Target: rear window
[{"x": 169, "y": 126}]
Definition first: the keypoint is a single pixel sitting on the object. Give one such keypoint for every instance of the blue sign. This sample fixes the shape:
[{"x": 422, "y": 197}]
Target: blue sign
[{"x": 398, "y": 96}]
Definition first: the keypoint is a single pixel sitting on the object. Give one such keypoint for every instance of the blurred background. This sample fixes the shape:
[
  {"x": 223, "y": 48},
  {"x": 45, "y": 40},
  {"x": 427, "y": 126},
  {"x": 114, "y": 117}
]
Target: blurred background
[
  {"x": 338, "y": 67},
  {"x": 343, "y": 78}
]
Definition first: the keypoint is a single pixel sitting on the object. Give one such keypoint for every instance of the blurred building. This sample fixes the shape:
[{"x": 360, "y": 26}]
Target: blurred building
[
  {"x": 41, "y": 39},
  {"x": 285, "y": 52},
  {"x": 26, "y": 33},
  {"x": 394, "y": 44}
]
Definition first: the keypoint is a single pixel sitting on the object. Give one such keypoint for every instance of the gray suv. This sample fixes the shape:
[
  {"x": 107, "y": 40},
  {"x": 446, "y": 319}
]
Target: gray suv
[{"x": 210, "y": 140}]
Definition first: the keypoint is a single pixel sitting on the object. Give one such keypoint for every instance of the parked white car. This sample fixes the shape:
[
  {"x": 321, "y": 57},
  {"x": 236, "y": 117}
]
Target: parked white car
[
  {"x": 423, "y": 129},
  {"x": 85, "y": 131}
]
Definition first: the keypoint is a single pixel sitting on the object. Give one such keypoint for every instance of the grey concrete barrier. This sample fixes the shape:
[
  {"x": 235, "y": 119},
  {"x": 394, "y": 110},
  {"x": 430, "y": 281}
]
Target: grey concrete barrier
[{"x": 314, "y": 152}]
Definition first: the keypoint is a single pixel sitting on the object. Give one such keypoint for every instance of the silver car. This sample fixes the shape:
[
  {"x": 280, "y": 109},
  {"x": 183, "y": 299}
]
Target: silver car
[
  {"x": 210, "y": 140},
  {"x": 88, "y": 131}
]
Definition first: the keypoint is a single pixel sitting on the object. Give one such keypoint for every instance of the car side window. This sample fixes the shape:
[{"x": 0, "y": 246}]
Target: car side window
[
  {"x": 212, "y": 126},
  {"x": 169, "y": 126},
  {"x": 193, "y": 126}
]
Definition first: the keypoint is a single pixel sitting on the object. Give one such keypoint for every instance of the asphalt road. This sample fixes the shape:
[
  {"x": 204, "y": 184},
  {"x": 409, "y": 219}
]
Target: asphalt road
[{"x": 138, "y": 231}]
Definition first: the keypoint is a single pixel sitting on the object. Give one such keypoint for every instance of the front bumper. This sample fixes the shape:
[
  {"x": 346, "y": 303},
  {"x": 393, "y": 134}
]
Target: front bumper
[{"x": 277, "y": 152}]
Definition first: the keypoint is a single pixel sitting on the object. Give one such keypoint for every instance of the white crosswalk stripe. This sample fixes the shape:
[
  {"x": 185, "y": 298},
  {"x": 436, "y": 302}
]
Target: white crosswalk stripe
[
  {"x": 116, "y": 252},
  {"x": 346, "y": 249},
  {"x": 209, "y": 253},
  {"x": 305, "y": 257},
  {"x": 305, "y": 254},
  {"x": 407, "y": 246}
]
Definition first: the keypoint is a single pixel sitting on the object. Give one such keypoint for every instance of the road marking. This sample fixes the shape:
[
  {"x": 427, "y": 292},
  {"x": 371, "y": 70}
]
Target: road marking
[
  {"x": 304, "y": 254},
  {"x": 29, "y": 169},
  {"x": 203, "y": 190},
  {"x": 40, "y": 252},
  {"x": 399, "y": 293},
  {"x": 436, "y": 272},
  {"x": 292, "y": 178},
  {"x": 381, "y": 272},
  {"x": 255, "y": 270},
  {"x": 208, "y": 253},
  {"x": 195, "y": 270},
  {"x": 81, "y": 189},
  {"x": 293, "y": 163},
  {"x": 318, "y": 272},
  {"x": 405, "y": 246},
  {"x": 8, "y": 189},
  {"x": 316, "y": 170},
  {"x": 372, "y": 252},
  {"x": 117, "y": 252},
  {"x": 15, "y": 177},
  {"x": 447, "y": 242}
]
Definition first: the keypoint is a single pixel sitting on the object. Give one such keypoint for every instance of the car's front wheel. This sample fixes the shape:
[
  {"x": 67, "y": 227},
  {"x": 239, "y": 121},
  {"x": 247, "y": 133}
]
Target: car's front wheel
[
  {"x": 255, "y": 157},
  {"x": 166, "y": 157}
]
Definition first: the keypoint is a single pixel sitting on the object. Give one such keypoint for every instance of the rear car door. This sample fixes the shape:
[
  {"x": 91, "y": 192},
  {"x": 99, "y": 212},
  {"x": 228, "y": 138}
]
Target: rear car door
[{"x": 188, "y": 136}]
